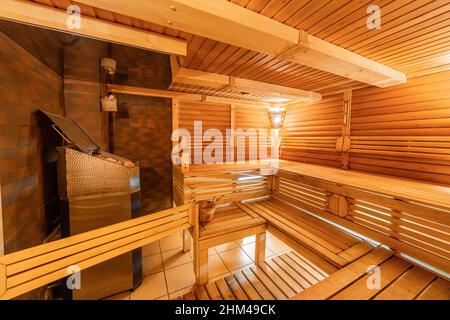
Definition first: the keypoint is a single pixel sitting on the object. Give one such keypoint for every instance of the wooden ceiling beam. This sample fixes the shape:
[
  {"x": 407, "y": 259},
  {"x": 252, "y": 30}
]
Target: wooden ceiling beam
[
  {"x": 233, "y": 24},
  {"x": 182, "y": 96},
  {"x": 50, "y": 18},
  {"x": 223, "y": 82}
]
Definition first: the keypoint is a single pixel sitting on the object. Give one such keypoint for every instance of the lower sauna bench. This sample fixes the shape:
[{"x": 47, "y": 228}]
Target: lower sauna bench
[{"x": 325, "y": 263}]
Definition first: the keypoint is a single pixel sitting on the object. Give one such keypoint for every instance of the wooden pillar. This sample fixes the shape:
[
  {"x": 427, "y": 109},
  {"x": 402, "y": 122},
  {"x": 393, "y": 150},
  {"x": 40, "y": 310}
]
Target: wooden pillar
[
  {"x": 343, "y": 143},
  {"x": 175, "y": 107},
  {"x": 232, "y": 151},
  {"x": 2, "y": 241},
  {"x": 186, "y": 241},
  {"x": 195, "y": 231},
  {"x": 202, "y": 276},
  {"x": 260, "y": 248},
  {"x": 2, "y": 279}
]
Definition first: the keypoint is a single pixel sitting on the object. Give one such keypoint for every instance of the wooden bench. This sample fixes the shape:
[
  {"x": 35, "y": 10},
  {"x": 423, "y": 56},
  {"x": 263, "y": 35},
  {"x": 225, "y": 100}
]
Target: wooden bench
[
  {"x": 230, "y": 224},
  {"x": 307, "y": 234},
  {"x": 323, "y": 213}
]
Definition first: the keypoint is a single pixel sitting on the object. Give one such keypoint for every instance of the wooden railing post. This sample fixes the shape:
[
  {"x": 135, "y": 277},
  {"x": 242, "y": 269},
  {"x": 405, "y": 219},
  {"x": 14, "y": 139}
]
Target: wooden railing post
[
  {"x": 195, "y": 222},
  {"x": 2, "y": 279}
]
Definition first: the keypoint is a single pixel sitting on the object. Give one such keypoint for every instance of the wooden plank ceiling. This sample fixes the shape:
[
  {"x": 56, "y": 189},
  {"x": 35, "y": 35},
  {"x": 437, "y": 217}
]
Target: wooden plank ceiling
[{"x": 414, "y": 38}]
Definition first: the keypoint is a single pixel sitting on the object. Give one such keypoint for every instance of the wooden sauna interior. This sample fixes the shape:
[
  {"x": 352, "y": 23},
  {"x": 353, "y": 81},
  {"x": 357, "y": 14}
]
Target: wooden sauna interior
[{"x": 349, "y": 167}]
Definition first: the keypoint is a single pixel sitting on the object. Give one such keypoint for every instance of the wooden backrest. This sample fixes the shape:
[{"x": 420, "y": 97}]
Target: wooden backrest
[
  {"x": 418, "y": 230},
  {"x": 28, "y": 269},
  {"x": 229, "y": 186}
]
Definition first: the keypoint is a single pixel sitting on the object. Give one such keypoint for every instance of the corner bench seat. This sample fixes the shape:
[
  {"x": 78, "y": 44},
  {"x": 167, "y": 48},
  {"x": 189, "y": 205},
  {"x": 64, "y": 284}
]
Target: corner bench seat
[
  {"x": 325, "y": 263},
  {"x": 307, "y": 233}
]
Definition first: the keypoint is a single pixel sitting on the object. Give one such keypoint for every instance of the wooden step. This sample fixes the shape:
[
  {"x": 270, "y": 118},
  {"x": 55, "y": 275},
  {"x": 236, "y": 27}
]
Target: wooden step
[
  {"x": 280, "y": 278},
  {"x": 398, "y": 280}
]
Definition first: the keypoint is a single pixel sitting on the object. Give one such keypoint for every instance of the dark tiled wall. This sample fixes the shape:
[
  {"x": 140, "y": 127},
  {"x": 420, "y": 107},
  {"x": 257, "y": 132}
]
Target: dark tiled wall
[
  {"x": 141, "y": 130},
  {"x": 142, "y": 127},
  {"x": 82, "y": 87},
  {"x": 27, "y": 142}
]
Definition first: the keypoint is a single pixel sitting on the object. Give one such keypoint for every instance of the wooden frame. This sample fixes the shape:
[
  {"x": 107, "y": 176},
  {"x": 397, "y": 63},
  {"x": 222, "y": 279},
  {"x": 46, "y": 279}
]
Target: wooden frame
[
  {"x": 256, "y": 32},
  {"x": 43, "y": 16},
  {"x": 182, "y": 96}
]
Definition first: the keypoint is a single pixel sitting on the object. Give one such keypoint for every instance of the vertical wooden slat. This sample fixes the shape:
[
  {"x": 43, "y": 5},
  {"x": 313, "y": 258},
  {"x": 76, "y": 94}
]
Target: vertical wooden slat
[
  {"x": 2, "y": 279},
  {"x": 2, "y": 244},
  {"x": 186, "y": 241},
  {"x": 175, "y": 104},
  {"x": 202, "y": 276},
  {"x": 347, "y": 116},
  {"x": 260, "y": 248}
]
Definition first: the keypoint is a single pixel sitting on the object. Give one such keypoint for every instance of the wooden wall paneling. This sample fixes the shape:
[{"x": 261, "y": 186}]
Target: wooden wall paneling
[
  {"x": 311, "y": 132},
  {"x": 254, "y": 118},
  {"x": 212, "y": 116},
  {"x": 404, "y": 131}
]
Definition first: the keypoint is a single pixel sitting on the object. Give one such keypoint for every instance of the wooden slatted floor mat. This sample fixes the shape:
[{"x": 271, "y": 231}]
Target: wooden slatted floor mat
[
  {"x": 280, "y": 277},
  {"x": 398, "y": 280},
  {"x": 292, "y": 276}
]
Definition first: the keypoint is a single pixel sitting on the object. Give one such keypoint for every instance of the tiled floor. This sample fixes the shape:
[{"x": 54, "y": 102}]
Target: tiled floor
[{"x": 169, "y": 273}]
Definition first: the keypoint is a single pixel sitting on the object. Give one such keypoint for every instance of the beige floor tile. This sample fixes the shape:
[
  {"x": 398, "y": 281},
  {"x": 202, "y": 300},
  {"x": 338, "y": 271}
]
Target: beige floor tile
[
  {"x": 216, "y": 266},
  {"x": 276, "y": 245},
  {"x": 226, "y": 246},
  {"x": 120, "y": 296},
  {"x": 211, "y": 251},
  {"x": 250, "y": 251},
  {"x": 235, "y": 258},
  {"x": 246, "y": 240},
  {"x": 178, "y": 293},
  {"x": 180, "y": 277},
  {"x": 219, "y": 277},
  {"x": 176, "y": 257},
  {"x": 152, "y": 264},
  {"x": 152, "y": 287},
  {"x": 242, "y": 268},
  {"x": 152, "y": 248},
  {"x": 174, "y": 241}
]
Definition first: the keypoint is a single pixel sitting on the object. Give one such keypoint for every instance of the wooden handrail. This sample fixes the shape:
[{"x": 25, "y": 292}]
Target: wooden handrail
[{"x": 32, "y": 268}]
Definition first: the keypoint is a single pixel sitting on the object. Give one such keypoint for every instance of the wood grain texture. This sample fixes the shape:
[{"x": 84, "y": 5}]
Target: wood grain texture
[
  {"x": 403, "y": 131},
  {"x": 413, "y": 39},
  {"x": 311, "y": 131}
]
